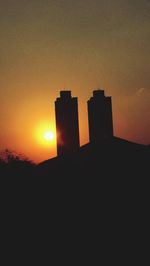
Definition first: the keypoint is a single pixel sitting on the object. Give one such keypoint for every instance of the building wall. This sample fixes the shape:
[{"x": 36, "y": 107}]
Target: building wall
[
  {"x": 100, "y": 117},
  {"x": 67, "y": 125}
]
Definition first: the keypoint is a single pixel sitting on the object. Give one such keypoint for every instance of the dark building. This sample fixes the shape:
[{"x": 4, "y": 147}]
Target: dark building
[
  {"x": 67, "y": 126},
  {"x": 100, "y": 117}
]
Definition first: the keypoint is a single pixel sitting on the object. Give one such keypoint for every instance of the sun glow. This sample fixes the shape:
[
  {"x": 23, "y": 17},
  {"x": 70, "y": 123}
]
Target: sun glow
[{"x": 46, "y": 135}]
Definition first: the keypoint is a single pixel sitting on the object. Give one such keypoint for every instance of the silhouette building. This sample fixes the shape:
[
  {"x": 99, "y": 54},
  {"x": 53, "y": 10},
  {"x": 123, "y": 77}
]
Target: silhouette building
[
  {"x": 100, "y": 117},
  {"x": 67, "y": 126}
]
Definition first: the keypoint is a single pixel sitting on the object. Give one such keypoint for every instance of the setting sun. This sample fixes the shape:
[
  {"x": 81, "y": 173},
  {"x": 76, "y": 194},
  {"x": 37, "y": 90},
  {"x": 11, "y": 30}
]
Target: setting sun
[
  {"x": 46, "y": 134},
  {"x": 49, "y": 136}
]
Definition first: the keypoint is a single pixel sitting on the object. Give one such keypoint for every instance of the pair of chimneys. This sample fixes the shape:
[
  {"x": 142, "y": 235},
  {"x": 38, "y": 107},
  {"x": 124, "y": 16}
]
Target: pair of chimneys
[{"x": 67, "y": 125}]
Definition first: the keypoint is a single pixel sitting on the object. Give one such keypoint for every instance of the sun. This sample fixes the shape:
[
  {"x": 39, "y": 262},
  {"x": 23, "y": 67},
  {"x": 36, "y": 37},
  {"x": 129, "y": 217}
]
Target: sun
[
  {"x": 49, "y": 136},
  {"x": 45, "y": 135}
]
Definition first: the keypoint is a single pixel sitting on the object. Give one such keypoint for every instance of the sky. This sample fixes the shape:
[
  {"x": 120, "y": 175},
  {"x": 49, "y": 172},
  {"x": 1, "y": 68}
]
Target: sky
[{"x": 50, "y": 45}]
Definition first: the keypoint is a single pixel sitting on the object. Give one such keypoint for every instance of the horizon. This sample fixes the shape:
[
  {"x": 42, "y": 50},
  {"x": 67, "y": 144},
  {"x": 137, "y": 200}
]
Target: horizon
[{"x": 45, "y": 136}]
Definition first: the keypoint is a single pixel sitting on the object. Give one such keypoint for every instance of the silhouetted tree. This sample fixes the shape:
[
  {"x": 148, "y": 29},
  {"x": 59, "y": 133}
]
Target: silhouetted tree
[
  {"x": 14, "y": 164},
  {"x": 9, "y": 156}
]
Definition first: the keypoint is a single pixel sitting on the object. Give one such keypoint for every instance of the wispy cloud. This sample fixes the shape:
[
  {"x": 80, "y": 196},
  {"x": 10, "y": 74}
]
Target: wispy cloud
[{"x": 143, "y": 91}]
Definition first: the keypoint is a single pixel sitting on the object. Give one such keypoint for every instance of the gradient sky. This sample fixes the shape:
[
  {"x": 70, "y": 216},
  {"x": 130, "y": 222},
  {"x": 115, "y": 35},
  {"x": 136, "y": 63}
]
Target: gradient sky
[{"x": 49, "y": 45}]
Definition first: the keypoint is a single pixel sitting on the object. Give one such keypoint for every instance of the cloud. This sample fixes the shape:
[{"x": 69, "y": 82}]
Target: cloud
[{"x": 143, "y": 91}]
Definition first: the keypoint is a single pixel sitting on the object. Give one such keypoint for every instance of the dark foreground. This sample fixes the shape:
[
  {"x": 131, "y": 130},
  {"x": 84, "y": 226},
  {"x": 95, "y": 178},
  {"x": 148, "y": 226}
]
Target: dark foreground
[{"x": 100, "y": 194}]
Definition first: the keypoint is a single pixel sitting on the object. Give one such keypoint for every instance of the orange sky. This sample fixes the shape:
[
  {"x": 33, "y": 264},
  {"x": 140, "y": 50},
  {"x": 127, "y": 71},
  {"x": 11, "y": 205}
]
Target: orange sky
[
  {"x": 25, "y": 125},
  {"x": 47, "y": 46}
]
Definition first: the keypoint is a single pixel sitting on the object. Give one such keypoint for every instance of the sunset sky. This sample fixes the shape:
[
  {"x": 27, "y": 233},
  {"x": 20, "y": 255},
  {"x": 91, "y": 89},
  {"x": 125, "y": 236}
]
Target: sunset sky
[{"x": 82, "y": 45}]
